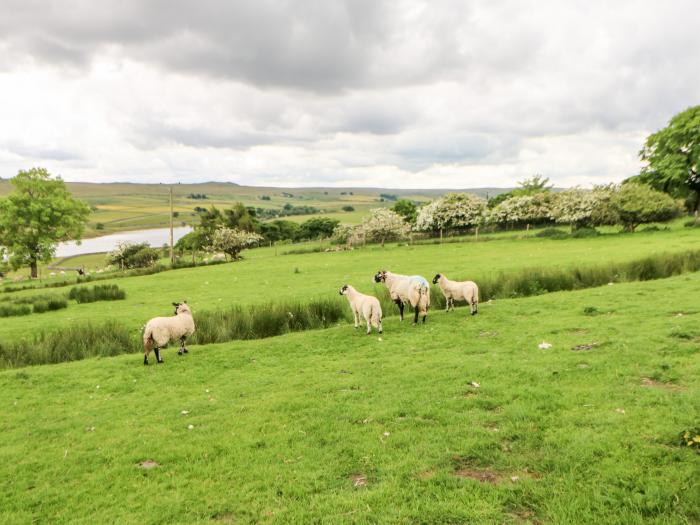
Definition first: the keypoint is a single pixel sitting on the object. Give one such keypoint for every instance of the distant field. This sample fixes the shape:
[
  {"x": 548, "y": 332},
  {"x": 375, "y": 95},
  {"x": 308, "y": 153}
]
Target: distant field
[{"x": 122, "y": 207}]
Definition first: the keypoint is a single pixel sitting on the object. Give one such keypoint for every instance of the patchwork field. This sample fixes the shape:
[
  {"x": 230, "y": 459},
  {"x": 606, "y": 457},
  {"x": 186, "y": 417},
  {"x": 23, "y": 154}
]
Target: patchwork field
[
  {"x": 463, "y": 420},
  {"x": 123, "y": 207}
]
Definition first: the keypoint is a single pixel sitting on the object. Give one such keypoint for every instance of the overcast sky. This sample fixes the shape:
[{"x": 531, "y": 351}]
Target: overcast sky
[{"x": 341, "y": 93}]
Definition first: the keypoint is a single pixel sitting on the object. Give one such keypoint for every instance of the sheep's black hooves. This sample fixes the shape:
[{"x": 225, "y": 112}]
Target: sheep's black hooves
[
  {"x": 179, "y": 352},
  {"x": 186, "y": 351},
  {"x": 145, "y": 363},
  {"x": 474, "y": 313},
  {"x": 160, "y": 362}
]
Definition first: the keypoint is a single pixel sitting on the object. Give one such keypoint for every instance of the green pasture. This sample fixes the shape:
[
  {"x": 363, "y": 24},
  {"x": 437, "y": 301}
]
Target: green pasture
[
  {"x": 264, "y": 277},
  {"x": 462, "y": 420}
]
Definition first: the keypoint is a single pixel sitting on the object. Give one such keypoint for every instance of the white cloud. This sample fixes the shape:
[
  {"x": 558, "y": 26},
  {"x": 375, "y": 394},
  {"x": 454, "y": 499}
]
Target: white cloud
[{"x": 409, "y": 93}]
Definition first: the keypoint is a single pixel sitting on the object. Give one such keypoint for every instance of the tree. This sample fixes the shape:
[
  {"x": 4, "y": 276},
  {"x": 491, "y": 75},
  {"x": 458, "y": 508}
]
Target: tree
[
  {"x": 407, "y": 209},
  {"x": 637, "y": 204},
  {"x": 238, "y": 217},
  {"x": 127, "y": 255},
  {"x": 530, "y": 186},
  {"x": 38, "y": 214},
  {"x": 672, "y": 157},
  {"x": 524, "y": 209},
  {"x": 231, "y": 241},
  {"x": 383, "y": 225},
  {"x": 317, "y": 227},
  {"x": 454, "y": 211},
  {"x": 193, "y": 242},
  {"x": 279, "y": 230},
  {"x": 575, "y": 207}
]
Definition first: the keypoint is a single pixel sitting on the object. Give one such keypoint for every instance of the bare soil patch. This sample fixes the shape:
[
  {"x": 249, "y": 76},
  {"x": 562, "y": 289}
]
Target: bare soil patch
[{"x": 148, "y": 464}]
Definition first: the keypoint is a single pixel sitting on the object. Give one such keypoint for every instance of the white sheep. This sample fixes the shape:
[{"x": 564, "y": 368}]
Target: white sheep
[
  {"x": 366, "y": 305},
  {"x": 407, "y": 289},
  {"x": 160, "y": 331},
  {"x": 459, "y": 290}
]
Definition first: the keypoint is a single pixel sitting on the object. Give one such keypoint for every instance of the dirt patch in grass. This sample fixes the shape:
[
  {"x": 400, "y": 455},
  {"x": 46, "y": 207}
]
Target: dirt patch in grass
[
  {"x": 584, "y": 347},
  {"x": 148, "y": 464},
  {"x": 428, "y": 474},
  {"x": 648, "y": 382},
  {"x": 224, "y": 517},
  {"x": 522, "y": 515},
  {"x": 487, "y": 333},
  {"x": 484, "y": 476},
  {"x": 358, "y": 480}
]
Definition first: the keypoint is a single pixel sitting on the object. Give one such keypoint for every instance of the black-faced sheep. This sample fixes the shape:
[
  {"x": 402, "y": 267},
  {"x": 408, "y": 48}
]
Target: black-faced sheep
[
  {"x": 160, "y": 331},
  {"x": 458, "y": 290},
  {"x": 407, "y": 289}
]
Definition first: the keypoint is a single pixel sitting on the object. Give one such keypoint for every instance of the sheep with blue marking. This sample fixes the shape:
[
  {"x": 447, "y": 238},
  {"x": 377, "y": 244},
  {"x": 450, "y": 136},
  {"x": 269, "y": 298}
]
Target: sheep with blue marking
[{"x": 413, "y": 290}]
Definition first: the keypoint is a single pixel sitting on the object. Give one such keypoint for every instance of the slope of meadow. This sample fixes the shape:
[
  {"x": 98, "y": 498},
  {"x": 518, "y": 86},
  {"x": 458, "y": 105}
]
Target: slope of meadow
[
  {"x": 264, "y": 277},
  {"x": 463, "y": 420}
]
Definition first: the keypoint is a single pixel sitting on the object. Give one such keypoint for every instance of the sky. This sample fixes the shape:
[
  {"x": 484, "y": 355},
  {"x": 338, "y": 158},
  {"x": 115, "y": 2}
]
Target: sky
[{"x": 364, "y": 93}]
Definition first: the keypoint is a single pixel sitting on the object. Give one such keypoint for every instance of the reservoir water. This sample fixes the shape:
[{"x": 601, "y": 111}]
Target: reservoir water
[{"x": 155, "y": 237}]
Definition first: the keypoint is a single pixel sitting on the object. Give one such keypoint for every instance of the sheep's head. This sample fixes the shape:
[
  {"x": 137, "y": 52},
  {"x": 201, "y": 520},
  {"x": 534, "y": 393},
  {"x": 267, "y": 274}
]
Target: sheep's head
[
  {"x": 181, "y": 308},
  {"x": 436, "y": 278},
  {"x": 380, "y": 276},
  {"x": 343, "y": 290}
]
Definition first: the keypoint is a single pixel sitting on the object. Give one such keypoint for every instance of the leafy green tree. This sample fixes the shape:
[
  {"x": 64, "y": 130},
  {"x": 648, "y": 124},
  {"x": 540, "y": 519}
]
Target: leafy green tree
[
  {"x": 279, "y": 230},
  {"x": 672, "y": 157},
  {"x": 38, "y": 214},
  {"x": 637, "y": 204},
  {"x": 239, "y": 217},
  {"x": 193, "y": 242},
  {"x": 317, "y": 227},
  {"x": 407, "y": 209},
  {"x": 530, "y": 186},
  {"x": 128, "y": 255}
]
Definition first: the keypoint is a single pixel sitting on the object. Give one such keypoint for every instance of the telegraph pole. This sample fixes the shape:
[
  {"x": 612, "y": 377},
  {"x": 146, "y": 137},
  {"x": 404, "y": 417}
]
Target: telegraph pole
[{"x": 172, "y": 255}]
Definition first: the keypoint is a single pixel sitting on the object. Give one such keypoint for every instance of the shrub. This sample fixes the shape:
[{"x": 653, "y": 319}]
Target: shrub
[
  {"x": 694, "y": 223},
  {"x": 129, "y": 256},
  {"x": 50, "y": 305},
  {"x": 348, "y": 208},
  {"x": 584, "y": 232},
  {"x": 552, "y": 232},
  {"x": 100, "y": 292},
  {"x": 13, "y": 310}
]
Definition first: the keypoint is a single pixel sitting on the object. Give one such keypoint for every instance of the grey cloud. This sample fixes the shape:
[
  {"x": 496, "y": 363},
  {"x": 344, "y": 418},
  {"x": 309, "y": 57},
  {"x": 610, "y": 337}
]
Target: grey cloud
[{"x": 40, "y": 153}]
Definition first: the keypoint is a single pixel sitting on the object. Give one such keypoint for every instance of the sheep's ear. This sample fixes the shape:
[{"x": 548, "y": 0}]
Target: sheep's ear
[
  {"x": 184, "y": 302},
  {"x": 176, "y": 305}
]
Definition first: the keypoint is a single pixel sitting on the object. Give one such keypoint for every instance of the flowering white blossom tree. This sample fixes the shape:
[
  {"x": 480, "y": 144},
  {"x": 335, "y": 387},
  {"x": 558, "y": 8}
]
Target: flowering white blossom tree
[
  {"x": 380, "y": 225},
  {"x": 231, "y": 241},
  {"x": 454, "y": 211},
  {"x": 525, "y": 209},
  {"x": 576, "y": 207}
]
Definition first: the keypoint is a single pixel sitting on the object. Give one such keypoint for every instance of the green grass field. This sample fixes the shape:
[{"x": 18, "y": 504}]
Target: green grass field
[
  {"x": 332, "y": 426},
  {"x": 321, "y": 274},
  {"x": 124, "y": 207}
]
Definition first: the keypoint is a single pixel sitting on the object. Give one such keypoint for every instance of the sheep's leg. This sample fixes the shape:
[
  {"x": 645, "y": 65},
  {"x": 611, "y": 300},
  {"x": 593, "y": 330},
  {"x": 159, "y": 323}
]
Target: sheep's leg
[
  {"x": 380, "y": 326},
  {"x": 182, "y": 350},
  {"x": 145, "y": 358},
  {"x": 157, "y": 352},
  {"x": 399, "y": 303},
  {"x": 415, "y": 318},
  {"x": 475, "y": 308},
  {"x": 357, "y": 321},
  {"x": 369, "y": 330},
  {"x": 447, "y": 304}
]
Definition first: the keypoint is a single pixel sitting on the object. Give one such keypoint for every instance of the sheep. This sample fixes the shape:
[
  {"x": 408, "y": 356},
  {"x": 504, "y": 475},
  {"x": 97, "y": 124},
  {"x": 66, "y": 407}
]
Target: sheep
[
  {"x": 407, "y": 289},
  {"x": 462, "y": 291},
  {"x": 160, "y": 331},
  {"x": 366, "y": 305}
]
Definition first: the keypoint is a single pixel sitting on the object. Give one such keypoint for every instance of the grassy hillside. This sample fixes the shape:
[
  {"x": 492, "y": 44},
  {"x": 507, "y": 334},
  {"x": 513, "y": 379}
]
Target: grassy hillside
[
  {"x": 124, "y": 206},
  {"x": 262, "y": 277},
  {"x": 332, "y": 426}
]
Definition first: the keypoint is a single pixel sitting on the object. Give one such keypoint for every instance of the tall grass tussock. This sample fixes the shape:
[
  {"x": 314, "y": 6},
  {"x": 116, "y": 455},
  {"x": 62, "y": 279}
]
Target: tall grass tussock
[{"x": 103, "y": 292}]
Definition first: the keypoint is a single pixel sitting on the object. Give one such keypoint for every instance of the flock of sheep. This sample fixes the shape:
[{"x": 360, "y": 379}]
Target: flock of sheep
[{"x": 412, "y": 290}]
